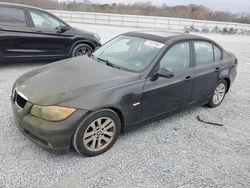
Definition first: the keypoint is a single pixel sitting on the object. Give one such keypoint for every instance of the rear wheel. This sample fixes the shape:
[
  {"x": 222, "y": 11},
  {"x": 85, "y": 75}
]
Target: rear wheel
[
  {"x": 97, "y": 133},
  {"x": 82, "y": 49},
  {"x": 218, "y": 95}
]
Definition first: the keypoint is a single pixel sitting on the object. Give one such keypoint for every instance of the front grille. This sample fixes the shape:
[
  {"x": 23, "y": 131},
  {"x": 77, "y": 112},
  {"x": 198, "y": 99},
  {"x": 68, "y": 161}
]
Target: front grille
[{"x": 19, "y": 100}]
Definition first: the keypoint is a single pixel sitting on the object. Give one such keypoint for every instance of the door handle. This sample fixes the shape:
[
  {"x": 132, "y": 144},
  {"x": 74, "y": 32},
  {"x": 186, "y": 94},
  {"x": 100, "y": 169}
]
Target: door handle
[
  {"x": 38, "y": 31},
  {"x": 188, "y": 78},
  {"x": 217, "y": 69}
]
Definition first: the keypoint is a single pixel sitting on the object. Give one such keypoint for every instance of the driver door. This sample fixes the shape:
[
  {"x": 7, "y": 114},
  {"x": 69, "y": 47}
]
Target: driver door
[
  {"x": 163, "y": 95},
  {"x": 50, "y": 42}
]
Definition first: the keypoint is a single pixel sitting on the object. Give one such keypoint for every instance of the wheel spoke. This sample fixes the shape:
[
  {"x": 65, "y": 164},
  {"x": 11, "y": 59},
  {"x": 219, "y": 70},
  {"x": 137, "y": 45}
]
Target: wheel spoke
[
  {"x": 82, "y": 50},
  {"x": 105, "y": 139},
  {"x": 89, "y": 140},
  {"x": 92, "y": 125},
  {"x": 220, "y": 90},
  {"x": 107, "y": 122},
  {"x": 99, "y": 122},
  {"x": 88, "y": 134},
  {"x": 218, "y": 98},
  {"x": 85, "y": 51},
  {"x": 109, "y": 126},
  {"x": 108, "y": 133},
  {"x": 222, "y": 87},
  {"x": 99, "y": 143},
  {"x": 215, "y": 99},
  {"x": 221, "y": 94},
  {"x": 93, "y": 144}
]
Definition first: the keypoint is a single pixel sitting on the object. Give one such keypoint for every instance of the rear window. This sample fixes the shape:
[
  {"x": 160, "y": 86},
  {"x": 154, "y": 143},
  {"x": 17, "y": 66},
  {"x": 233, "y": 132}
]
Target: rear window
[{"x": 12, "y": 17}]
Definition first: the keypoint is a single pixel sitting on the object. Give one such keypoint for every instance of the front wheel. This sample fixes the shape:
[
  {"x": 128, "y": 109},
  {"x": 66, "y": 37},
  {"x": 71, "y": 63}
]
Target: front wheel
[
  {"x": 218, "y": 95},
  {"x": 81, "y": 49},
  {"x": 97, "y": 132}
]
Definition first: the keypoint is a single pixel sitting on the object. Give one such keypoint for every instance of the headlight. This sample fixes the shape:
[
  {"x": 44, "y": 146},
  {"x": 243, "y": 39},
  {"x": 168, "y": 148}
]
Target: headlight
[{"x": 52, "y": 113}]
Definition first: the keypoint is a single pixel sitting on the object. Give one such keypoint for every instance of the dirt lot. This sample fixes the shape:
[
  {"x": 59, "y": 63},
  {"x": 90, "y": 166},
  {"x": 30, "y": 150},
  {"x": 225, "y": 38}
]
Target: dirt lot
[{"x": 176, "y": 152}]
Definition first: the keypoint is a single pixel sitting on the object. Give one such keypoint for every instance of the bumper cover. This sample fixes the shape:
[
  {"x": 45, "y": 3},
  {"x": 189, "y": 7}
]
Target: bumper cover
[{"x": 52, "y": 136}]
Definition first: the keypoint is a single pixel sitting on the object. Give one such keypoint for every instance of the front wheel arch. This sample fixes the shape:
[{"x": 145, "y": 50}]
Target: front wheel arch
[{"x": 121, "y": 116}]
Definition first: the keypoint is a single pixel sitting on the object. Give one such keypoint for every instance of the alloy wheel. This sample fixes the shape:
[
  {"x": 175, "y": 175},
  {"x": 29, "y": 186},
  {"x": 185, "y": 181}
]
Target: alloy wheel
[
  {"x": 99, "y": 134},
  {"x": 219, "y": 93},
  {"x": 83, "y": 51}
]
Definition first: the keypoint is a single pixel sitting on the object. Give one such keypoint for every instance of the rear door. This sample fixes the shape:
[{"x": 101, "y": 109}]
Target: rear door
[
  {"x": 50, "y": 42},
  {"x": 16, "y": 38},
  {"x": 206, "y": 70}
]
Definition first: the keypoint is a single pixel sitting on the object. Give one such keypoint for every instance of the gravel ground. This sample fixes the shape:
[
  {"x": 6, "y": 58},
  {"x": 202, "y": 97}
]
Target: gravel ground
[{"x": 175, "y": 152}]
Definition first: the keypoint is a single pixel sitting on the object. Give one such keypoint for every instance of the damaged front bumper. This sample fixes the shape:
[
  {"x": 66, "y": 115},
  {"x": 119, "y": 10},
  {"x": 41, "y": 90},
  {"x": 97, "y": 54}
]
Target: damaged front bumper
[{"x": 55, "y": 137}]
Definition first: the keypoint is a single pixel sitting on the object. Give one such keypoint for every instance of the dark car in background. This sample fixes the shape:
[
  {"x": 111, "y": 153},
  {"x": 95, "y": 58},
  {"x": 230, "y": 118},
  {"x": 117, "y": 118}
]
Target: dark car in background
[
  {"x": 134, "y": 78},
  {"x": 29, "y": 33}
]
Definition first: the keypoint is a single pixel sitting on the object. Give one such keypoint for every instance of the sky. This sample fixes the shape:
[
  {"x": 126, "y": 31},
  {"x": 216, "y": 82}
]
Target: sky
[{"x": 235, "y": 6}]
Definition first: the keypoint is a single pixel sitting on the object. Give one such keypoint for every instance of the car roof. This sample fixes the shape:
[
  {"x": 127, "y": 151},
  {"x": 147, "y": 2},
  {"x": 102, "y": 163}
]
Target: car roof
[
  {"x": 15, "y": 5},
  {"x": 163, "y": 36}
]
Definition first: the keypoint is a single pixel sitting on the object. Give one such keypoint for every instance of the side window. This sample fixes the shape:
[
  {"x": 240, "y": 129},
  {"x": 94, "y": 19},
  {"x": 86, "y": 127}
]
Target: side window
[
  {"x": 177, "y": 57},
  {"x": 43, "y": 20},
  {"x": 217, "y": 53},
  {"x": 204, "y": 52},
  {"x": 12, "y": 17}
]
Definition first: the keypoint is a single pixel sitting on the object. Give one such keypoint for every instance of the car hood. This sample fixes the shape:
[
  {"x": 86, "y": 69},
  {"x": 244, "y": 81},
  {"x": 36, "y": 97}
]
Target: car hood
[
  {"x": 84, "y": 33},
  {"x": 80, "y": 31},
  {"x": 67, "y": 79}
]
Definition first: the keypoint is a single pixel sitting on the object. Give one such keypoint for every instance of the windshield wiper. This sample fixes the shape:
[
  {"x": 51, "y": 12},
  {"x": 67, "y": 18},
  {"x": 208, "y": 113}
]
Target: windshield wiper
[{"x": 108, "y": 63}]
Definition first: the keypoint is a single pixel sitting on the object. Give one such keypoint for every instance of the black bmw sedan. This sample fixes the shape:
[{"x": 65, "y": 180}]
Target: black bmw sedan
[
  {"x": 28, "y": 34},
  {"x": 134, "y": 78}
]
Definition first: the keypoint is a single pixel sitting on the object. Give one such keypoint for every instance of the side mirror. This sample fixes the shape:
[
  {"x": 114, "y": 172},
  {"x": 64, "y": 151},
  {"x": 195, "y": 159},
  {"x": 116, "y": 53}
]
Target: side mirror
[
  {"x": 165, "y": 73},
  {"x": 62, "y": 28}
]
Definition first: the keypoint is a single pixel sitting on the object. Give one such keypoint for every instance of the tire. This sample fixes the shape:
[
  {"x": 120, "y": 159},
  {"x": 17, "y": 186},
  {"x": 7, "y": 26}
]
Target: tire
[
  {"x": 218, "y": 95},
  {"x": 81, "y": 49},
  {"x": 97, "y": 133}
]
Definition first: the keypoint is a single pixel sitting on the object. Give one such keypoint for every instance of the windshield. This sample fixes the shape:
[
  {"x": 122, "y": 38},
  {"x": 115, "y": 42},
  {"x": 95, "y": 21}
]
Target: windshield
[{"x": 129, "y": 53}]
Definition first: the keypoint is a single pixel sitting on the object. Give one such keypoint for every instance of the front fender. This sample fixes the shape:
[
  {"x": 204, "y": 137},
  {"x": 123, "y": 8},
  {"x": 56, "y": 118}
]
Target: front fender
[{"x": 127, "y": 98}]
